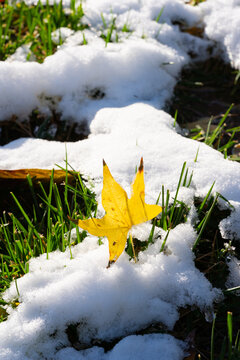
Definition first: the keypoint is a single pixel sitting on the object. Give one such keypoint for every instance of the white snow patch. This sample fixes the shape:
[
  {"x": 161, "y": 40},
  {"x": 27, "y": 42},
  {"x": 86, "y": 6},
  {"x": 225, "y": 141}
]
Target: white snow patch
[
  {"x": 155, "y": 346},
  {"x": 230, "y": 226},
  {"x": 233, "y": 279},
  {"x": 222, "y": 24},
  {"x": 69, "y": 80}
]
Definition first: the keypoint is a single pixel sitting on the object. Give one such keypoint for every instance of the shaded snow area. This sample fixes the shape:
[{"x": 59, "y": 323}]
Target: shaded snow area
[
  {"x": 134, "y": 79},
  {"x": 234, "y": 272}
]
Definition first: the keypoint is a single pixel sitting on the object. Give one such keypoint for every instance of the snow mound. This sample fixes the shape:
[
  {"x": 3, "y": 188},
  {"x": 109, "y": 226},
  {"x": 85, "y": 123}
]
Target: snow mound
[
  {"x": 155, "y": 346},
  {"x": 104, "y": 304},
  {"x": 222, "y": 24}
]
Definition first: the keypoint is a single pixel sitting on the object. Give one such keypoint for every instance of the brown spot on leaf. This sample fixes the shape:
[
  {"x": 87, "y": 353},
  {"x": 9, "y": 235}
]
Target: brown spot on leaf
[
  {"x": 110, "y": 263},
  {"x": 140, "y": 169}
]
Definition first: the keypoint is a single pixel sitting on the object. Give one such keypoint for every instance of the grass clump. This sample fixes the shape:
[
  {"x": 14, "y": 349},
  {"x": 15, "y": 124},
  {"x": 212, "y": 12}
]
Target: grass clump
[
  {"x": 39, "y": 222},
  {"x": 230, "y": 345},
  {"x": 21, "y": 24},
  {"x": 220, "y": 137},
  {"x": 110, "y": 32}
]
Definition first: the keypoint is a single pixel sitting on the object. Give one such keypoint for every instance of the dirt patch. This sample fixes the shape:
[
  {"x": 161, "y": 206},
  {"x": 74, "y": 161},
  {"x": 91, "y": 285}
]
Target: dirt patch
[
  {"x": 206, "y": 89},
  {"x": 43, "y": 127}
]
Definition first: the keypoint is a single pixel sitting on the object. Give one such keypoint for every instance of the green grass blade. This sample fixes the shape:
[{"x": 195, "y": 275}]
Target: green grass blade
[
  {"x": 230, "y": 334},
  {"x": 237, "y": 341},
  {"x": 223, "y": 349},
  {"x": 206, "y": 198},
  {"x": 150, "y": 238},
  {"x": 175, "y": 198},
  {"x": 164, "y": 241},
  {"x": 196, "y": 157},
  {"x": 33, "y": 193},
  {"x": 212, "y": 337},
  {"x": 73, "y": 5},
  {"x": 208, "y": 130},
  {"x": 20, "y": 26},
  {"x": 103, "y": 21},
  {"x": 185, "y": 178},
  {"x": 25, "y": 215},
  {"x": 159, "y": 15},
  {"x": 66, "y": 183},
  {"x": 209, "y": 140},
  {"x": 204, "y": 222},
  {"x": 49, "y": 32},
  {"x": 175, "y": 118},
  {"x": 50, "y": 197}
]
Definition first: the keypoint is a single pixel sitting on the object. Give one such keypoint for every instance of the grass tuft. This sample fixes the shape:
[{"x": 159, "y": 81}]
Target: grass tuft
[
  {"x": 29, "y": 231},
  {"x": 32, "y": 26}
]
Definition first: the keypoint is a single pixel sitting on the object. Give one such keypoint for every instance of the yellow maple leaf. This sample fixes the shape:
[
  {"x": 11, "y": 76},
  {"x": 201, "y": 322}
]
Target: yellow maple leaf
[{"x": 121, "y": 213}]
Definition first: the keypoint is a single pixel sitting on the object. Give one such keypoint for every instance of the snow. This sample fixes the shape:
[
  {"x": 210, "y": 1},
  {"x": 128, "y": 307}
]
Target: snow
[
  {"x": 233, "y": 279},
  {"x": 155, "y": 346},
  {"x": 106, "y": 306},
  {"x": 222, "y": 19},
  {"x": 134, "y": 79},
  {"x": 74, "y": 73},
  {"x": 230, "y": 226}
]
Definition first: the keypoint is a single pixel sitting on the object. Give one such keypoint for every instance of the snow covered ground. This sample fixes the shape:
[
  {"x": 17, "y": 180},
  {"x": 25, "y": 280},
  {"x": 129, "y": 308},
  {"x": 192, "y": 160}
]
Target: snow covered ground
[{"x": 136, "y": 77}]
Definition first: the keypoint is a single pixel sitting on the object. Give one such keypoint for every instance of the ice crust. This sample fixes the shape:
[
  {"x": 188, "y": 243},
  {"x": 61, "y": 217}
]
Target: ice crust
[{"x": 135, "y": 78}]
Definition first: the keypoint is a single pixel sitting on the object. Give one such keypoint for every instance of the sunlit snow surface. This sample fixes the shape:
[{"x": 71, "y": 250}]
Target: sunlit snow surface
[{"x": 136, "y": 77}]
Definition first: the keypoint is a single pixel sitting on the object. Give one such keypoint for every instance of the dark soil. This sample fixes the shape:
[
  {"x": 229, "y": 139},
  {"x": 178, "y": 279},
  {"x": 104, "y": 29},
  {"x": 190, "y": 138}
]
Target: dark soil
[
  {"x": 43, "y": 127},
  {"x": 205, "y": 90}
]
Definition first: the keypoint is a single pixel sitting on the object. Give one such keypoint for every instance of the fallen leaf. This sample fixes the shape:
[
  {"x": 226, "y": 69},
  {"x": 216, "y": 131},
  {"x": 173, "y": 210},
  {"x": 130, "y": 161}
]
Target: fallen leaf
[
  {"x": 38, "y": 174},
  {"x": 121, "y": 213},
  {"x": 194, "y": 30}
]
